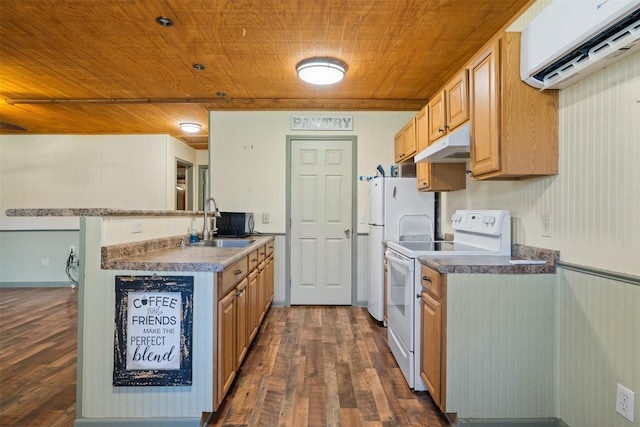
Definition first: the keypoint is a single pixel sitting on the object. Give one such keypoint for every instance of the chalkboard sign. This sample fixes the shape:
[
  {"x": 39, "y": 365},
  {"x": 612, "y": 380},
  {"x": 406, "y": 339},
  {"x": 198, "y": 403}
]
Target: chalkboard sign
[{"x": 153, "y": 331}]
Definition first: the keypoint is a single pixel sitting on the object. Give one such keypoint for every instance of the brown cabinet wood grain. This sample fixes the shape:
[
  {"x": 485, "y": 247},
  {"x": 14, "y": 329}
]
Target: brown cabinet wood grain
[
  {"x": 433, "y": 334},
  {"x": 405, "y": 142},
  {"x": 449, "y": 108},
  {"x": 242, "y": 303},
  {"x": 514, "y": 127}
]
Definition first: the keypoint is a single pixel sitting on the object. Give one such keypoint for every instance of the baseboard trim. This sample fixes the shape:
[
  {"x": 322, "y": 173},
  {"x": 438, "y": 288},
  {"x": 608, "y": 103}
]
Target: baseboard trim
[
  {"x": 35, "y": 284},
  {"x": 507, "y": 422},
  {"x": 138, "y": 422}
]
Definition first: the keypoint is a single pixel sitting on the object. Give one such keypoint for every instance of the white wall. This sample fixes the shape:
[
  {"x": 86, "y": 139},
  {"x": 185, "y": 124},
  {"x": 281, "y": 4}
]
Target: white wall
[
  {"x": 247, "y": 157},
  {"x": 77, "y": 171},
  {"x": 247, "y": 153}
]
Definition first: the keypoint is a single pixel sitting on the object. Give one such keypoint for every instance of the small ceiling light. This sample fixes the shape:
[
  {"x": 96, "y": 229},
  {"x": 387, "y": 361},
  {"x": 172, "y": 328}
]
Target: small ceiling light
[
  {"x": 190, "y": 127},
  {"x": 321, "y": 71},
  {"x": 199, "y": 67},
  {"x": 164, "y": 21}
]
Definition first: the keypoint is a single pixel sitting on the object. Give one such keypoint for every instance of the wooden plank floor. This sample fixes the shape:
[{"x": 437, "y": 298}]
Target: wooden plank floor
[
  {"x": 309, "y": 366},
  {"x": 323, "y": 366},
  {"x": 38, "y": 343}
]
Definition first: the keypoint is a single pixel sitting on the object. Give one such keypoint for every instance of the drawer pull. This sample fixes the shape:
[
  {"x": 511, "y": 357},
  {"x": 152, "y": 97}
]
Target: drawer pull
[
  {"x": 418, "y": 296},
  {"x": 237, "y": 272},
  {"x": 426, "y": 279}
]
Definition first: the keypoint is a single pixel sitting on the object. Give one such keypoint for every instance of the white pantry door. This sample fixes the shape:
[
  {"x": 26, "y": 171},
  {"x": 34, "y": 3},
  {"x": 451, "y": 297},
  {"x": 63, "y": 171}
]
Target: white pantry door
[{"x": 321, "y": 219}]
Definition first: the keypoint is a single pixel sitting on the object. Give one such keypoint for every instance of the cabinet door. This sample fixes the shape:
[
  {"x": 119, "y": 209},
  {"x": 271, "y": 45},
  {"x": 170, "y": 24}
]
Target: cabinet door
[
  {"x": 254, "y": 308},
  {"x": 409, "y": 139},
  {"x": 269, "y": 271},
  {"x": 431, "y": 346},
  {"x": 423, "y": 169},
  {"x": 226, "y": 344},
  {"x": 485, "y": 111},
  {"x": 457, "y": 101},
  {"x": 242, "y": 314},
  {"x": 262, "y": 292},
  {"x": 437, "y": 116},
  {"x": 398, "y": 147}
]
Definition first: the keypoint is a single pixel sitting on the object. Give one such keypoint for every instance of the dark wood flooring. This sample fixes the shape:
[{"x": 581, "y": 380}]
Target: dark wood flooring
[
  {"x": 38, "y": 343},
  {"x": 309, "y": 366}
]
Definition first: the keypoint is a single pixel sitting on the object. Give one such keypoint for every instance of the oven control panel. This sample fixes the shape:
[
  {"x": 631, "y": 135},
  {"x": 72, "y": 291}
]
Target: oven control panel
[{"x": 488, "y": 222}]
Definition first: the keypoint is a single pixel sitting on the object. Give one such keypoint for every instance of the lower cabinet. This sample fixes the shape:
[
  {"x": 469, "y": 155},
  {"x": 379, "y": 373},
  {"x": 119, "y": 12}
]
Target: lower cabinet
[
  {"x": 243, "y": 301},
  {"x": 433, "y": 334}
]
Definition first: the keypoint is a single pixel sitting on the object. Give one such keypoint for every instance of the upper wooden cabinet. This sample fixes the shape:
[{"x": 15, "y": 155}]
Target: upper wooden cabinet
[
  {"x": 514, "y": 127},
  {"x": 435, "y": 176},
  {"x": 450, "y": 108},
  {"x": 405, "y": 142}
]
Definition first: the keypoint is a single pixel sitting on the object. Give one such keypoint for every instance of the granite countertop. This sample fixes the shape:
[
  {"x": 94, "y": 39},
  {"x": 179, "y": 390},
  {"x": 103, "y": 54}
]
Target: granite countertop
[
  {"x": 496, "y": 264},
  {"x": 97, "y": 212},
  {"x": 168, "y": 255}
]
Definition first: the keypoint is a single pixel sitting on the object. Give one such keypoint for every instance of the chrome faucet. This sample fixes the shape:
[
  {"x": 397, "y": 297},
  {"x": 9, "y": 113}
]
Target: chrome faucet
[{"x": 216, "y": 213}]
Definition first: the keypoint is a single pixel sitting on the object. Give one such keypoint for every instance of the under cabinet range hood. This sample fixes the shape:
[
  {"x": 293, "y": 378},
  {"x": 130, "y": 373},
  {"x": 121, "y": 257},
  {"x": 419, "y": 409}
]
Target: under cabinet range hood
[{"x": 452, "y": 148}]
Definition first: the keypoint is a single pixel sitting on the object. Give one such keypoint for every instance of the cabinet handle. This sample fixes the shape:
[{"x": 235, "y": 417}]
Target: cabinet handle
[
  {"x": 440, "y": 130},
  {"x": 426, "y": 279},
  {"x": 237, "y": 272},
  {"x": 418, "y": 296}
]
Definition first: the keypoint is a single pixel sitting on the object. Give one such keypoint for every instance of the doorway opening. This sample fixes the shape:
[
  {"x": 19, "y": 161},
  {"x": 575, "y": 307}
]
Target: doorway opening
[{"x": 184, "y": 185}]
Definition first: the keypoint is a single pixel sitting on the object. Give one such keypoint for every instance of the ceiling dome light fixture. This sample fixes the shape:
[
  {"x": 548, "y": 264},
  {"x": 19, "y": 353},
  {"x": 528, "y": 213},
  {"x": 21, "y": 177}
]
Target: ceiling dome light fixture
[
  {"x": 190, "y": 127},
  {"x": 321, "y": 71}
]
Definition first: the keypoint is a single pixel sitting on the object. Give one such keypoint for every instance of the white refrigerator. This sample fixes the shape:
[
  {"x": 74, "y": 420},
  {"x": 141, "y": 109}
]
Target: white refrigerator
[{"x": 397, "y": 211}]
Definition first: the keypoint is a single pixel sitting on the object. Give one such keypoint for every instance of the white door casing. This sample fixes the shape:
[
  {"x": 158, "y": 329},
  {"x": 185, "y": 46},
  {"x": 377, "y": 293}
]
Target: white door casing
[{"x": 321, "y": 221}]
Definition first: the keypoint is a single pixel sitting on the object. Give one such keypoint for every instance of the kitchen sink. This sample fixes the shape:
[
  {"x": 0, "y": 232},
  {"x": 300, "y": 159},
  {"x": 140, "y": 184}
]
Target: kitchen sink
[{"x": 224, "y": 243}]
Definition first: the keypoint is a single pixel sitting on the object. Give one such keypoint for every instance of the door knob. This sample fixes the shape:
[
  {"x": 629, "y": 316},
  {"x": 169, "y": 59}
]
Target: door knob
[{"x": 347, "y": 232}]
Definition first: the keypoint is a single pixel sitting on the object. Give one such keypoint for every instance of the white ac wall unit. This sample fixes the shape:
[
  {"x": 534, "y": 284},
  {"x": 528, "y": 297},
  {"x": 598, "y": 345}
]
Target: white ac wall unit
[{"x": 571, "y": 39}]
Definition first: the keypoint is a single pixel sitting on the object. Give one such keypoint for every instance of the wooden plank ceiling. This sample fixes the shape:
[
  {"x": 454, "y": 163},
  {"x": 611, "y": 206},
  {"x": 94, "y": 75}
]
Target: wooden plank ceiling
[{"x": 107, "y": 67}]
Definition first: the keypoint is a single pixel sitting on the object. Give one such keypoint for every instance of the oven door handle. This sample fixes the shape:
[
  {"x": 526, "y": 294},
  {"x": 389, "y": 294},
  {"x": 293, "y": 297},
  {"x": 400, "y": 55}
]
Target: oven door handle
[{"x": 404, "y": 264}]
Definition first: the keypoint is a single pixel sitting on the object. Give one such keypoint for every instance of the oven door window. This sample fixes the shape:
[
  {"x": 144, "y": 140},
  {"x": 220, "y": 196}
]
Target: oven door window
[{"x": 400, "y": 298}]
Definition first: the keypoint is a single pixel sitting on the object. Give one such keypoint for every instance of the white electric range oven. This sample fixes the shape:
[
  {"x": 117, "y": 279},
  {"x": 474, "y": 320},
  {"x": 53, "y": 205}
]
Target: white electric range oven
[{"x": 476, "y": 233}]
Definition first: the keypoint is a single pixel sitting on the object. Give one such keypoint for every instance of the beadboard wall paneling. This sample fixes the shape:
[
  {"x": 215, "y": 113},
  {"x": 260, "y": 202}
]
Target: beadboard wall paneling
[
  {"x": 506, "y": 323},
  {"x": 599, "y": 344}
]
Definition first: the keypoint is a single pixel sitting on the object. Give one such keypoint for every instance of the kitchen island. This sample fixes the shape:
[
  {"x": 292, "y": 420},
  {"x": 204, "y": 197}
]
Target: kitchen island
[{"x": 132, "y": 244}]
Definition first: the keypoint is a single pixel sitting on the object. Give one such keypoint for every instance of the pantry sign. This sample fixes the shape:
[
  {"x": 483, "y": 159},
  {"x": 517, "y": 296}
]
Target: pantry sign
[{"x": 153, "y": 330}]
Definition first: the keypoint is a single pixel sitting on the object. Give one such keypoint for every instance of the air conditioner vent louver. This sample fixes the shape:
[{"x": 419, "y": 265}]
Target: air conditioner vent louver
[{"x": 603, "y": 43}]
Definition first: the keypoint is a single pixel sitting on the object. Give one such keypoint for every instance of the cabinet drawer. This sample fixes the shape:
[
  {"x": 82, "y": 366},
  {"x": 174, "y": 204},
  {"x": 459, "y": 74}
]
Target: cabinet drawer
[
  {"x": 253, "y": 260},
  {"x": 431, "y": 281},
  {"x": 232, "y": 275},
  {"x": 270, "y": 247},
  {"x": 262, "y": 253}
]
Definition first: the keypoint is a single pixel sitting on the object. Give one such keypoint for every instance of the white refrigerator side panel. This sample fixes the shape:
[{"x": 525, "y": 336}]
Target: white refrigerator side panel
[
  {"x": 376, "y": 201},
  {"x": 407, "y": 211},
  {"x": 376, "y": 273}
]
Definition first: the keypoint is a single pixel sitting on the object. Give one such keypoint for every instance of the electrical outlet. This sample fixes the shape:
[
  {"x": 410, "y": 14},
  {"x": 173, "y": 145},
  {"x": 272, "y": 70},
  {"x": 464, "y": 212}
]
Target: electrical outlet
[
  {"x": 265, "y": 217},
  {"x": 546, "y": 224},
  {"x": 362, "y": 218},
  {"x": 136, "y": 226},
  {"x": 625, "y": 402}
]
